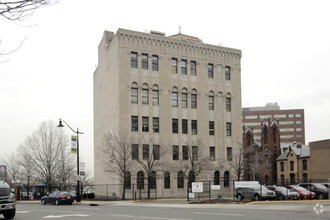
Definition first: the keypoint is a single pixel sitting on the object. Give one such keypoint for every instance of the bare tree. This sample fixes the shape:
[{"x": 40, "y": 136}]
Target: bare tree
[
  {"x": 117, "y": 157},
  {"x": 66, "y": 166},
  {"x": 44, "y": 147},
  {"x": 195, "y": 161},
  {"x": 13, "y": 168},
  {"x": 21, "y": 9},
  {"x": 237, "y": 164},
  {"x": 27, "y": 169},
  {"x": 150, "y": 162}
]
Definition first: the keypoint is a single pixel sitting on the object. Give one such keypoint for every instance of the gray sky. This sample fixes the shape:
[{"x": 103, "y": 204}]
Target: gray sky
[{"x": 285, "y": 46}]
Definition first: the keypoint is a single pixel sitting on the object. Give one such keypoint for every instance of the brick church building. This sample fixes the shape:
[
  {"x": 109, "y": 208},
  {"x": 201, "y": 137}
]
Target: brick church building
[{"x": 260, "y": 158}]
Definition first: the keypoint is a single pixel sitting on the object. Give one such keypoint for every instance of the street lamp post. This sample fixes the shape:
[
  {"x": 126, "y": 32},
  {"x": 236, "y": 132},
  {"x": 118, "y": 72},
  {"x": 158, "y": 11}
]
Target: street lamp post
[{"x": 78, "y": 199}]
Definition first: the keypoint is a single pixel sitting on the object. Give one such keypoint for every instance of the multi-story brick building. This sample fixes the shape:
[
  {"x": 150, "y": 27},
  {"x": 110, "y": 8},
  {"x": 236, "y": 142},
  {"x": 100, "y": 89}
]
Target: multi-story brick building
[
  {"x": 168, "y": 91},
  {"x": 291, "y": 121}
]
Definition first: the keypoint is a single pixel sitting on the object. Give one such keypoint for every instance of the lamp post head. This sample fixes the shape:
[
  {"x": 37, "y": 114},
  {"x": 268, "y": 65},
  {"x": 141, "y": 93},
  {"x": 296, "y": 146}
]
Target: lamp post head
[{"x": 60, "y": 125}]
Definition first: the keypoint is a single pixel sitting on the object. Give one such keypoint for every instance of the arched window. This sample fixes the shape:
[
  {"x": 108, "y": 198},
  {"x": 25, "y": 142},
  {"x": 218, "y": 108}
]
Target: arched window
[
  {"x": 305, "y": 177},
  {"x": 228, "y": 102},
  {"x": 184, "y": 98},
  {"x": 155, "y": 95},
  {"x": 140, "y": 180},
  {"x": 291, "y": 165},
  {"x": 180, "y": 179},
  {"x": 292, "y": 178},
  {"x": 193, "y": 98},
  {"x": 134, "y": 93},
  {"x": 264, "y": 135},
  {"x": 175, "y": 97},
  {"x": 167, "y": 180},
  {"x": 282, "y": 166},
  {"x": 304, "y": 164},
  {"x": 145, "y": 94},
  {"x": 266, "y": 179},
  {"x": 274, "y": 135},
  {"x": 216, "y": 178},
  {"x": 152, "y": 181},
  {"x": 226, "y": 179},
  {"x": 211, "y": 100},
  {"x": 127, "y": 180}
]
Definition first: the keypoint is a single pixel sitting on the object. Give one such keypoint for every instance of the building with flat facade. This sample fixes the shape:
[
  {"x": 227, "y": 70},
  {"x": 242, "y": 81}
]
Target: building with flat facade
[
  {"x": 319, "y": 160},
  {"x": 172, "y": 94},
  {"x": 291, "y": 121}
]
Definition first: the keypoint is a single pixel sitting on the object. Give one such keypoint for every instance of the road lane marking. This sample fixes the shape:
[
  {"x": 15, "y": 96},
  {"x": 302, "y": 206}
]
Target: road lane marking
[
  {"x": 146, "y": 217},
  {"x": 62, "y": 216},
  {"x": 222, "y": 214},
  {"x": 22, "y": 212}
]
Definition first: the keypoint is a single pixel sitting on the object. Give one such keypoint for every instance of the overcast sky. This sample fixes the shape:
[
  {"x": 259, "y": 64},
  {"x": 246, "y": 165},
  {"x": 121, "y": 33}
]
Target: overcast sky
[{"x": 285, "y": 47}]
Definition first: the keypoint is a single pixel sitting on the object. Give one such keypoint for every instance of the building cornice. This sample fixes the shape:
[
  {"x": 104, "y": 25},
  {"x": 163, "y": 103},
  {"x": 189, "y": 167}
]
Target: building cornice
[{"x": 168, "y": 42}]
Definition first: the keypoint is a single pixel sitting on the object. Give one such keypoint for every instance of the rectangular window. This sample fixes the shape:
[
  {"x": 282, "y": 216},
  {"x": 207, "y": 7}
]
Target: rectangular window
[
  {"x": 155, "y": 124},
  {"x": 228, "y": 128},
  {"x": 134, "y": 60},
  {"x": 144, "y": 60},
  {"x": 227, "y": 72},
  {"x": 134, "y": 95},
  {"x": 210, "y": 70},
  {"x": 184, "y": 100},
  {"x": 174, "y": 65},
  {"x": 175, "y": 152},
  {"x": 228, "y": 104},
  {"x": 184, "y": 126},
  {"x": 174, "y": 99},
  {"x": 194, "y": 151},
  {"x": 145, "y": 124},
  {"x": 211, "y": 127},
  {"x": 135, "y": 123},
  {"x": 211, "y": 102},
  {"x": 185, "y": 152},
  {"x": 304, "y": 164},
  {"x": 145, "y": 96},
  {"x": 193, "y": 126},
  {"x": 212, "y": 153},
  {"x": 193, "y": 101},
  {"x": 298, "y": 122},
  {"x": 156, "y": 152},
  {"x": 193, "y": 68},
  {"x": 145, "y": 153},
  {"x": 298, "y": 115},
  {"x": 154, "y": 62},
  {"x": 229, "y": 154},
  {"x": 298, "y": 129},
  {"x": 290, "y": 115},
  {"x": 135, "y": 151},
  {"x": 175, "y": 128},
  {"x": 282, "y": 166},
  {"x": 155, "y": 97},
  {"x": 184, "y": 67}
]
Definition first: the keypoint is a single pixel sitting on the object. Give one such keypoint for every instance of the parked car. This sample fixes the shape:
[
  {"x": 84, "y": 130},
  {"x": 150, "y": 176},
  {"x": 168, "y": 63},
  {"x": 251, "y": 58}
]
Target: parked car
[
  {"x": 58, "y": 198},
  {"x": 303, "y": 192},
  {"x": 320, "y": 190},
  {"x": 257, "y": 193},
  {"x": 282, "y": 193}
]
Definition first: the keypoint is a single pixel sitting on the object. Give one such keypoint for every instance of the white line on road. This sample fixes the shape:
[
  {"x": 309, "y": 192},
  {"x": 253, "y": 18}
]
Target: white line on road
[
  {"x": 22, "y": 212},
  {"x": 208, "y": 213},
  {"x": 62, "y": 216}
]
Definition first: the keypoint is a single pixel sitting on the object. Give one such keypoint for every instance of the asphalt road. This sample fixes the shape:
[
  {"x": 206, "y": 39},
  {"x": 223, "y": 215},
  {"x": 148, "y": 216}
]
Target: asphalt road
[{"x": 172, "y": 211}]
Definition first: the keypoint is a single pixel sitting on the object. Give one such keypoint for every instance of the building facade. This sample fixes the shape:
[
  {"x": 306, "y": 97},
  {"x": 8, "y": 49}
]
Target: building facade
[
  {"x": 291, "y": 121},
  {"x": 168, "y": 92},
  {"x": 293, "y": 165},
  {"x": 260, "y": 157},
  {"x": 319, "y": 160}
]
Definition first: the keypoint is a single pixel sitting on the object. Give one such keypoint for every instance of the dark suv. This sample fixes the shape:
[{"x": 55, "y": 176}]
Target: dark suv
[{"x": 320, "y": 190}]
